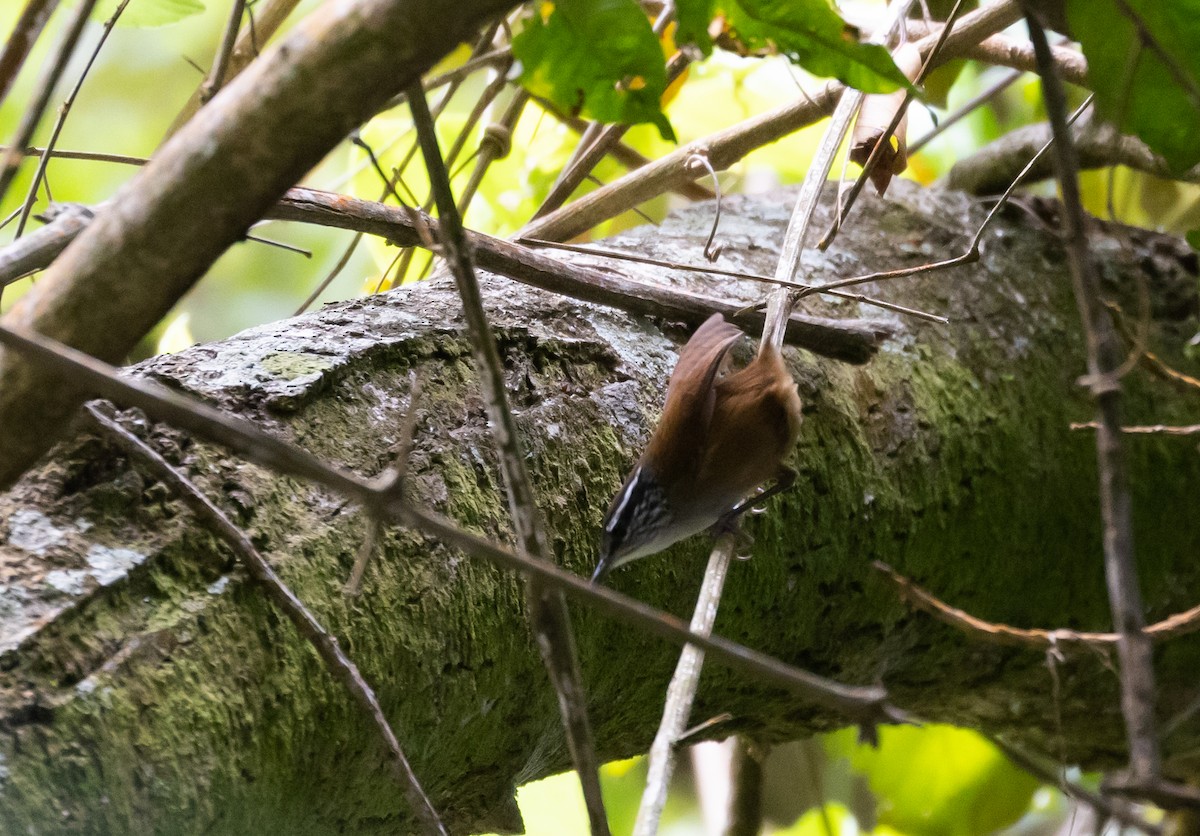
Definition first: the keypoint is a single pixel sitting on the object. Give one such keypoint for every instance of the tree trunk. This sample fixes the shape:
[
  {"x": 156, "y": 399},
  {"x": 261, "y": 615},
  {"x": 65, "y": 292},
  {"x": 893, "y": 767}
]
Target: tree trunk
[{"x": 146, "y": 686}]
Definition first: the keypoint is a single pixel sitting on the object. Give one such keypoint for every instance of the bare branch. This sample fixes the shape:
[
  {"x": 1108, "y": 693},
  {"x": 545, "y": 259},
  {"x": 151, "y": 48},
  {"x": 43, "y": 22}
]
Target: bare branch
[
  {"x": 1138, "y": 691},
  {"x": 220, "y": 65},
  {"x": 548, "y": 613},
  {"x": 1180, "y": 624},
  {"x": 336, "y": 661},
  {"x": 851, "y": 340},
  {"x": 63, "y": 112},
  {"x": 681, "y": 693},
  {"x": 19, "y": 44},
  {"x": 861, "y": 704},
  {"x": 49, "y": 80}
]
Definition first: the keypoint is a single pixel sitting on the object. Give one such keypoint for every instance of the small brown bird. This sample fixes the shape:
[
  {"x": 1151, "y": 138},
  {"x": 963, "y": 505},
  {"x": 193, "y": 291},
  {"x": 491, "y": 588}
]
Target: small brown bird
[{"x": 721, "y": 436}]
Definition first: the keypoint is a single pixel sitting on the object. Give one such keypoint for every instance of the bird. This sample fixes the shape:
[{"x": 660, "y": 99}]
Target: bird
[{"x": 722, "y": 435}]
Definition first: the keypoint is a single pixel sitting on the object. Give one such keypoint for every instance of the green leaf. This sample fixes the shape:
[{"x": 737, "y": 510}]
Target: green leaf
[
  {"x": 812, "y": 34},
  {"x": 1144, "y": 64},
  {"x": 1193, "y": 239},
  {"x": 596, "y": 57},
  {"x": 151, "y": 13},
  {"x": 693, "y": 17},
  {"x": 939, "y": 780}
]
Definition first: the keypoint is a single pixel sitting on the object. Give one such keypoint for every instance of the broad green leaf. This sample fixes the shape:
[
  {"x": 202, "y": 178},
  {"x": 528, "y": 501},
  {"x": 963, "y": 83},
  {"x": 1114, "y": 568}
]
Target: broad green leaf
[
  {"x": 150, "y": 13},
  {"x": 814, "y": 36},
  {"x": 1144, "y": 64},
  {"x": 595, "y": 57},
  {"x": 1193, "y": 238},
  {"x": 939, "y": 780}
]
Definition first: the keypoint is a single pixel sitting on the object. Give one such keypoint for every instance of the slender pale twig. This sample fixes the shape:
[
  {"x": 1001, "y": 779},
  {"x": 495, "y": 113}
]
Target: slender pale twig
[
  {"x": 680, "y": 694},
  {"x": 49, "y": 80},
  {"x": 338, "y": 663},
  {"x": 683, "y": 685},
  {"x": 63, "y": 111},
  {"x": 587, "y": 249},
  {"x": 25, "y": 32}
]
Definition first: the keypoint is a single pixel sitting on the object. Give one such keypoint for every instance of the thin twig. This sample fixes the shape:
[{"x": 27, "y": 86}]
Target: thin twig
[
  {"x": 1151, "y": 361},
  {"x": 680, "y": 694},
  {"x": 587, "y": 249},
  {"x": 93, "y": 156},
  {"x": 26, "y": 30},
  {"x": 726, "y": 147},
  {"x": 983, "y": 97},
  {"x": 1151, "y": 429},
  {"x": 971, "y": 254},
  {"x": 1107, "y": 809},
  {"x": 63, "y": 111},
  {"x": 846, "y": 202},
  {"x": 395, "y": 489},
  {"x": 1179, "y": 624},
  {"x": 547, "y": 606},
  {"x": 624, "y": 154},
  {"x": 863, "y": 704},
  {"x": 49, "y": 80},
  {"x": 264, "y": 20},
  {"x": 220, "y": 65},
  {"x": 340, "y": 666}
]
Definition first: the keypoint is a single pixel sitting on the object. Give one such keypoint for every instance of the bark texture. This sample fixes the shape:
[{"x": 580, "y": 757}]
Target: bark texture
[{"x": 145, "y": 686}]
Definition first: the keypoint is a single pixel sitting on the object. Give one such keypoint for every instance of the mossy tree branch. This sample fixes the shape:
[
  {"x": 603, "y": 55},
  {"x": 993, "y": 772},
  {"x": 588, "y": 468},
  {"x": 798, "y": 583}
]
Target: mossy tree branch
[{"x": 144, "y": 681}]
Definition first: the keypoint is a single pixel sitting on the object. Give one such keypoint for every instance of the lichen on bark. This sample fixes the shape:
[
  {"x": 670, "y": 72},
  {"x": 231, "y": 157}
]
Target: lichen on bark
[{"x": 174, "y": 699}]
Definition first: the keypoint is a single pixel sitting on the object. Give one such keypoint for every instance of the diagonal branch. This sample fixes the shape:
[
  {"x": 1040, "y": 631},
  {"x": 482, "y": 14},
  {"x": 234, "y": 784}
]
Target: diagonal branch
[
  {"x": 548, "y": 615},
  {"x": 1138, "y": 691},
  {"x": 339, "y": 664},
  {"x": 861, "y": 704},
  {"x": 850, "y": 340}
]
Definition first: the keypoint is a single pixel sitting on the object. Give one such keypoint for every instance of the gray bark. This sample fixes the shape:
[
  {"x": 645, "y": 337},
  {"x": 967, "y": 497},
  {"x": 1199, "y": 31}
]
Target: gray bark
[{"x": 146, "y": 686}]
